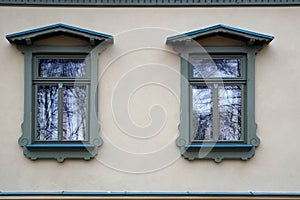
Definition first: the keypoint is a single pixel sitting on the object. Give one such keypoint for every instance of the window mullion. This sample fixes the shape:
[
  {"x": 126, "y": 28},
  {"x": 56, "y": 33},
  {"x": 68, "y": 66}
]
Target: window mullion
[
  {"x": 60, "y": 111},
  {"x": 216, "y": 125}
]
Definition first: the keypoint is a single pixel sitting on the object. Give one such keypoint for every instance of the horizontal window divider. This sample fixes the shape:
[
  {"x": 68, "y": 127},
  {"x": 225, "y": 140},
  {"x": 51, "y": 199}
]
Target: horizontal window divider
[
  {"x": 216, "y": 56},
  {"x": 62, "y": 56},
  {"x": 194, "y": 81},
  {"x": 66, "y": 81}
]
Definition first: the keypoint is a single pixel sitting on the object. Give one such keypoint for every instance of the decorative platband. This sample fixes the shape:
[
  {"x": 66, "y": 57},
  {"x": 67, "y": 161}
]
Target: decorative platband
[
  {"x": 219, "y": 145},
  {"x": 161, "y": 3},
  {"x": 37, "y": 146}
]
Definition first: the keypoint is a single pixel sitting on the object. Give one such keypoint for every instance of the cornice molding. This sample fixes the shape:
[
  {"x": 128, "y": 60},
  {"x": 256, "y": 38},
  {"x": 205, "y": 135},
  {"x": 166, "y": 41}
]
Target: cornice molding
[{"x": 149, "y": 3}]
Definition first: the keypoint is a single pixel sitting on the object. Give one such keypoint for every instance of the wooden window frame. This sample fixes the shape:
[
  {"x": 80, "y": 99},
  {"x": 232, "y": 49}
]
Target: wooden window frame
[
  {"x": 62, "y": 149},
  {"x": 72, "y": 81},
  {"x": 239, "y": 81},
  {"x": 218, "y": 150},
  {"x": 94, "y": 43}
]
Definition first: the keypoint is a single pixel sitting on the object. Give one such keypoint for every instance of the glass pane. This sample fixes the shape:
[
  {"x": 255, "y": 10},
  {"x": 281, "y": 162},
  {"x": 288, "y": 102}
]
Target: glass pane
[
  {"x": 202, "y": 113},
  {"x": 62, "y": 68},
  {"x": 216, "y": 68},
  {"x": 230, "y": 113},
  {"x": 74, "y": 112},
  {"x": 47, "y": 113}
]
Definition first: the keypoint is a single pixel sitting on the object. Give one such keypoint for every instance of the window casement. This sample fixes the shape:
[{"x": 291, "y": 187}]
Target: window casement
[
  {"x": 60, "y": 97},
  {"x": 217, "y": 92}
]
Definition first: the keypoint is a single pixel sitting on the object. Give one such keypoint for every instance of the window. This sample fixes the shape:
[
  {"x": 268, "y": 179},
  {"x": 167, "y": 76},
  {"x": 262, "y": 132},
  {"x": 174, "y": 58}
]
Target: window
[
  {"x": 217, "y": 92},
  {"x": 60, "y": 97},
  {"x": 61, "y": 91}
]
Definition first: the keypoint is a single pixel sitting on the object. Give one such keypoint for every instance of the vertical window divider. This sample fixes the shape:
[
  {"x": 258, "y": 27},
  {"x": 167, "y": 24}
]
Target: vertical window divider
[
  {"x": 60, "y": 111},
  {"x": 215, "y": 113}
]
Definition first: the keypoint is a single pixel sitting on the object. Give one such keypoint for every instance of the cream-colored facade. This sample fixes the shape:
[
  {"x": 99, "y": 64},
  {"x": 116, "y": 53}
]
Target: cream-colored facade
[{"x": 141, "y": 74}]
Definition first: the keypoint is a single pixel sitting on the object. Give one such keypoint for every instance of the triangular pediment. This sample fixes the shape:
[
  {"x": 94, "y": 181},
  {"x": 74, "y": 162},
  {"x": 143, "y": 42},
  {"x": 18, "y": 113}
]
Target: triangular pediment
[
  {"x": 218, "y": 40},
  {"x": 223, "y": 31},
  {"x": 32, "y": 36}
]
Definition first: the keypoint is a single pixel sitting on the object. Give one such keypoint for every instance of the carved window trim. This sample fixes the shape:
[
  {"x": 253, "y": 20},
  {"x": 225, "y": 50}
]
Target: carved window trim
[
  {"x": 186, "y": 45},
  {"x": 97, "y": 43}
]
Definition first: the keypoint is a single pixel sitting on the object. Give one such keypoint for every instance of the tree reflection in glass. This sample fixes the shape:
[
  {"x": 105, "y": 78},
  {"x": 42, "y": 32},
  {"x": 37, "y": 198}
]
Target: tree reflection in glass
[
  {"x": 62, "y": 106},
  {"x": 202, "y": 113},
  {"x": 62, "y": 68},
  {"x": 216, "y": 68},
  {"x": 47, "y": 113},
  {"x": 230, "y": 109},
  {"x": 227, "y": 118},
  {"x": 74, "y": 112}
]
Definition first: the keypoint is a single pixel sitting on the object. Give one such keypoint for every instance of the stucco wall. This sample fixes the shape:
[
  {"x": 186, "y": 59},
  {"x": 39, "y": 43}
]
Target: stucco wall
[{"x": 141, "y": 155}]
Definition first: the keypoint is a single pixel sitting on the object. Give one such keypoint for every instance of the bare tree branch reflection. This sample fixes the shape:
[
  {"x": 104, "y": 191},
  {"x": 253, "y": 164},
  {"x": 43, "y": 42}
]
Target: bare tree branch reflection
[
  {"x": 202, "y": 113},
  {"x": 73, "y": 100},
  {"x": 216, "y": 68}
]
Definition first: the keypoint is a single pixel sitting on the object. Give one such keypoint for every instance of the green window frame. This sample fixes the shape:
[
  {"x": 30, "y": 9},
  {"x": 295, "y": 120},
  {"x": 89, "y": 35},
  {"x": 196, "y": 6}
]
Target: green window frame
[
  {"x": 61, "y": 147},
  {"x": 62, "y": 83},
  {"x": 188, "y": 48},
  {"x": 216, "y": 84},
  {"x": 219, "y": 150}
]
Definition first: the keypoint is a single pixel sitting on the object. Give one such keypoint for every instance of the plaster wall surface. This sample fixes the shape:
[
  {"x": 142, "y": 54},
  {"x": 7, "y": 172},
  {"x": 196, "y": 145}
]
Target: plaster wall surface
[{"x": 139, "y": 73}]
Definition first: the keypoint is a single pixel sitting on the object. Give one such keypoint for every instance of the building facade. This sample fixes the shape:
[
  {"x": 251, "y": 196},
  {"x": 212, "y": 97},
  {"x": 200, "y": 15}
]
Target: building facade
[{"x": 149, "y": 99}]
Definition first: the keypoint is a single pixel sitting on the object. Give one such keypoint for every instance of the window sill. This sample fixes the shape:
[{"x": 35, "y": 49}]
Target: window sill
[
  {"x": 60, "y": 151},
  {"x": 218, "y": 151},
  {"x": 54, "y": 146},
  {"x": 216, "y": 145}
]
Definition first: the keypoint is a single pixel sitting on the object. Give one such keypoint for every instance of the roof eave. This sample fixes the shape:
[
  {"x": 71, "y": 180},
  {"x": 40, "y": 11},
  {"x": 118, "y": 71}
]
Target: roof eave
[
  {"x": 26, "y": 37},
  {"x": 252, "y": 37}
]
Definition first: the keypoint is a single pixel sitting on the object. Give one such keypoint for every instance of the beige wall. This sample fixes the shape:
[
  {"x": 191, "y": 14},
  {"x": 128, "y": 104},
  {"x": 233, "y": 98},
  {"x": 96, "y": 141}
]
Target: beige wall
[{"x": 140, "y": 154}]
